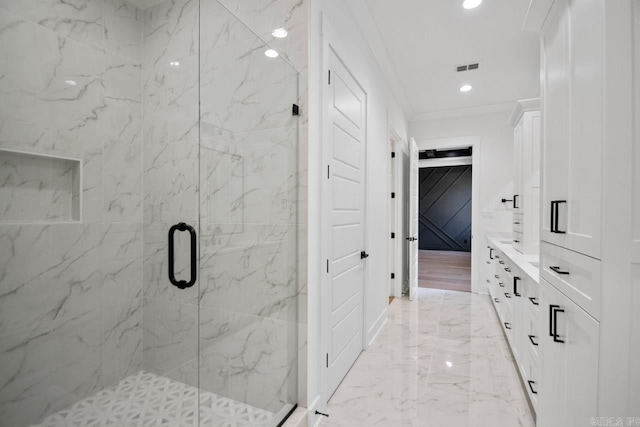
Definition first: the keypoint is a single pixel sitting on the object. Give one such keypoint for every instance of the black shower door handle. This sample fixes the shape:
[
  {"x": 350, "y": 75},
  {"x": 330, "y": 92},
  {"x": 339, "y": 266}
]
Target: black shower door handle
[{"x": 182, "y": 284}]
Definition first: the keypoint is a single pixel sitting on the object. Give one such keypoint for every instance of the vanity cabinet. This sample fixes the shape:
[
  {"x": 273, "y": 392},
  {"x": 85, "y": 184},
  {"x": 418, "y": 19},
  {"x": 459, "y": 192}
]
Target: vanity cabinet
[
  {"x": 525, "y": 120},
  {"x": 515, "y": 296}
]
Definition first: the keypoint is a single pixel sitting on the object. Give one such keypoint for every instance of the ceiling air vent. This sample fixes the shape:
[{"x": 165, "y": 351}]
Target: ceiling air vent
[{"x": 467, "y": 67}]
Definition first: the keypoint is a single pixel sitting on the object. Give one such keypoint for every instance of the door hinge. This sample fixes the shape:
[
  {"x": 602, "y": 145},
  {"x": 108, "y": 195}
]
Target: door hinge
[
  {"x": 327, "y": 266},
  {"x": 393, "y": 275},
  {"x": 328, "y": 170},
  {"x": 295, "y": 110},
  {"x": 327, "y": 360},
  {"x": 329, "y": 76},
  {"x": 393, "y": 195},
  {"x": 393, "y": 154},
  {"x": 393, "y": 235}
]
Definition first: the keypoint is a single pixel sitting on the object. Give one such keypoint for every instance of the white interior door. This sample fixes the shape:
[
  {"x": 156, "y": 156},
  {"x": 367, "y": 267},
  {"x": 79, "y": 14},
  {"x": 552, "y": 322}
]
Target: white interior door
[
  {"x": 413, "y": 218},
  {"x": 344, "y": 200}
]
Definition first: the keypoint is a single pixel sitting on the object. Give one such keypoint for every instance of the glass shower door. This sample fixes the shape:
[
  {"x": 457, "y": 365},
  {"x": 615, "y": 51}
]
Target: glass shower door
[{"x": 248, "y": 217}]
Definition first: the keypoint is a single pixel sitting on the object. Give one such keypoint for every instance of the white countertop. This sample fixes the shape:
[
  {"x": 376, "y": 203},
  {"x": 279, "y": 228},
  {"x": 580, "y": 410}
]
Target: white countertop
[{"x": 524, "y": 262}]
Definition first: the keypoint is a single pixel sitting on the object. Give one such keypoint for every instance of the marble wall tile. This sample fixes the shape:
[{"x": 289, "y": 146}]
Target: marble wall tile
[
  {"x": 44, "y": 371},
  {"x": 171, "y": 182},
  {"x": 170, "y": 32},
  {"x": 58, "y": 83},
  {"x": 80, "y": 20},
  {"x": 247, "y": 358},
  {"x": 122, "y": 340},
  {"x": 258, "y": 92},
  {"x": 123, "y": 37},
  {"x": 171, "y": 101},
  {"x": 254, "y": 277},
  {"x": 122, "y": 181},
  {"x": 170, "y": 339},
  {"x": 39, "y": 284}
]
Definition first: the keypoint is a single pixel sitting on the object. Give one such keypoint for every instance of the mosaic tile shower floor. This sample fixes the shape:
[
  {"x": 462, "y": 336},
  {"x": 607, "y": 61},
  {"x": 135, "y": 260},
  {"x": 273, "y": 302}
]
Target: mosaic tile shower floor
[{"x": 145, "y": 399}]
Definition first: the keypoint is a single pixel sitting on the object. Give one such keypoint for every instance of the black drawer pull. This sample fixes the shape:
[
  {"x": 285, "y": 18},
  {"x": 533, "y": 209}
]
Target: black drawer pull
[
  {"x": 507, "y": 269},
  {"x": 553, "y": 322},
  {"x": 531, "y": 337},
  {"x": 490, "y": 253},
  {"x": 500, "y": 262},
  {"x": 516, "y": 279},
  {"x": 496, "y": 300},
  {"x": 531, "y": 388},
  {"x": 496, "y": 276},
  {"x": 515, "y": 201},
  {"x": 501, "y": 284},
  {"x": 558, "y": 270},
  {"x": 506, "y": 294},
  {"x": 516, "y": 223},
  {"x": 516, "y": 241},
  {"x": 534, "y": 300},
  {"x": 554, "y": 228},
  {"x": 507, "y": 325}
]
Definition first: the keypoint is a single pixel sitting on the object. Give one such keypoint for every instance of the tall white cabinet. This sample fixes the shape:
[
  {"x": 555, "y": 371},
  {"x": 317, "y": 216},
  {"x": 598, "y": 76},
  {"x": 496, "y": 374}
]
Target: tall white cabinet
[
  {"x": 588, "y": 339},
  {"x": 525, "y": 121}
]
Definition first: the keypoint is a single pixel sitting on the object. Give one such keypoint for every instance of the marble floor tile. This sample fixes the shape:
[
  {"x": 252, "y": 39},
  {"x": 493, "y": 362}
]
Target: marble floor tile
[{"x": 441, "y": 360}]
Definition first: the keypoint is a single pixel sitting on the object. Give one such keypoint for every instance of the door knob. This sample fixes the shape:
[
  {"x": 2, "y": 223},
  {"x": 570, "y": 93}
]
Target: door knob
[
  {"x": 412, "y": 239},
  {"x": 363, "y": 255}
]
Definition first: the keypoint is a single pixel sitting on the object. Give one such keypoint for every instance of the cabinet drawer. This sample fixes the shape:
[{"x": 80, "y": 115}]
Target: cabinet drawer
[
  {"x": 532, "y": 330},
  {"x": 575, "y": 275},
  {"x": 531, "y": 370},
  {"x": 532, "y": 296},
  {"x": 518, "y": 223},
  {"x": 518, "y": 241}
]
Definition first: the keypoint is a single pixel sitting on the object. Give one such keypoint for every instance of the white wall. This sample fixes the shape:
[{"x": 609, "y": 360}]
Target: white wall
[
  {"x": 495, "y": 173},
  {"x": 382, "y": 111}
]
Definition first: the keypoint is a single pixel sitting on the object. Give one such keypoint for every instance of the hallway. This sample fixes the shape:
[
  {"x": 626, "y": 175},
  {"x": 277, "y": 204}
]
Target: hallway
[{"x": 440, "y": 360}]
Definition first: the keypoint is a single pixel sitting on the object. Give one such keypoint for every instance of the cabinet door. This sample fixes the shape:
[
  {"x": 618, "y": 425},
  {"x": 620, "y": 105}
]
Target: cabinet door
[
  {"x": 586, "y": 76},
  {"x": 555, "y": 116},
  {"x": 518, "y": 135},
  {"x": 552, "y": 394},
  {"x": 569, "y": 362}
]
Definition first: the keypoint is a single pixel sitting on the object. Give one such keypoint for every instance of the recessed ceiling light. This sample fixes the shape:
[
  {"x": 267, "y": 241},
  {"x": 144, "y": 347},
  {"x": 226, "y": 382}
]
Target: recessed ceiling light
[
  {"x": 280, "y": 33},
  {"x": 471, "y": 4},
  {"x": 71, "y": 82},
  {"x": 174, "y": 63},
  {"x": 271, "y": 53},
  {"x": 449, "y": 364},
  {"x": 465, "y": 88}
]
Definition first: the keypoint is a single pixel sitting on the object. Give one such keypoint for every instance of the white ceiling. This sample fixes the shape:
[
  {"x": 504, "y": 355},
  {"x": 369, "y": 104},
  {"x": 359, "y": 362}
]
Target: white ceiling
[{"x": 425, "y": 39}]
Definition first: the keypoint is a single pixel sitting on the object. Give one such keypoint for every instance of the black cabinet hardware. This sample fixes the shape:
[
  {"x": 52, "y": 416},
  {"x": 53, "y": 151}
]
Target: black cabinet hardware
[
  {"x": 363, "y": 255},
  {"x": 497, "y": 256},
  {"x": 516, "y": 222},
  {"x": 501, "y": 284},
  {"x": 500, "y": 262},
  {"x": 534, "y": 300},
  {"x": 507, "y": 325},
  {"x": 507, "y": 294},
  {"x": 531, "y": 337},
  {"x": 516, "y": 279},
  {"x": 412, "y": 239},
  {"x": 496, "y": 300},
  {"x": 496, "y": 276},
  {"x": 182, "y": 284},
  {"x": 558, "y": 270},
  {"x": 507, "y": 269},
  {"x": 490, "y": 253},
  {"x": 531, "y": 388},
  {"x": 516, "y": 241},
  {"x": 506, "y": 200},
  {"x": 553, "y": 322},
  {"x": 515, "y": 201},
  {"x": 555, "y": 214}
]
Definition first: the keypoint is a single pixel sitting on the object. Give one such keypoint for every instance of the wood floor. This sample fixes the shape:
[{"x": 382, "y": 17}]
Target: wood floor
[{"x": 446, "y": 270}]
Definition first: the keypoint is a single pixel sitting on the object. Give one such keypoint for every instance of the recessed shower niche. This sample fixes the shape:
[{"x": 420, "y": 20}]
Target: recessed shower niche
[{"x": 39, "y": 188}]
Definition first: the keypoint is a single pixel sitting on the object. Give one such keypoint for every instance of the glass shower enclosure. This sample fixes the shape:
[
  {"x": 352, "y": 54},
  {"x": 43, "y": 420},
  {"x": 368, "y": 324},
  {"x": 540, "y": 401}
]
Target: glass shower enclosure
[{"x": 148, "y": 247}]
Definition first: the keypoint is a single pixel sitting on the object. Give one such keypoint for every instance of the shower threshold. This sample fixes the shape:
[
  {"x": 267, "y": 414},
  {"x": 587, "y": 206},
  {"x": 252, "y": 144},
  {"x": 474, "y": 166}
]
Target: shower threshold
[{"x": 146, "y": 399}]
